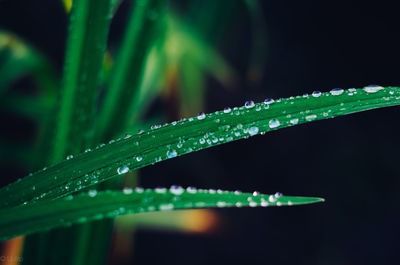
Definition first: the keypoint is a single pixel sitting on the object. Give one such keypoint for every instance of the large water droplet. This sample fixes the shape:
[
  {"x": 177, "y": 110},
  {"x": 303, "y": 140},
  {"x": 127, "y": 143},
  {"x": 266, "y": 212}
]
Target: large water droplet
[
  {"x": 372, "y": 88},
  {"x": 122, "y": 170},
  {"x": 336, "y": 91},
  {"x": 274, "y": 123},
  {"x": 249, "y": 104}
]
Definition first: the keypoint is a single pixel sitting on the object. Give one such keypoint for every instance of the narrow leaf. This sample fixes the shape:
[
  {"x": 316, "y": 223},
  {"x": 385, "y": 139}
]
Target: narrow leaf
[
  {"x": 85, "y": 207},
  {"x": 189, "y": 135}
]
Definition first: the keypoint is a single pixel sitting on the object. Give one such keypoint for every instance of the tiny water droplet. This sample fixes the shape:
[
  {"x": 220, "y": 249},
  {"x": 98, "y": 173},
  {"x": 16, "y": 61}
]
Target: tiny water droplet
[
  {"x": 294, "y": 121},
  {"x": 316, "y": 94},
  {"x": 221, "y": 204},
  {"x": 256, "y": 193},
  {"x": 227, "y": 110},
  {"x": 122, "y": 170},
  {"x": 160, "y": 190},
  {"x": 176, "y": 190},
  {"x": 127, "y": 190},
  {"x": 274, "y": 123},
  {"x": 252, "y": 204},
  {"x": 336, "y": 91},
  {"x": 191, "y": 189},
  {"x": 139, "y": 158},
  {"x": 278, "y": 194},
  {"x": 201, "y": 116},
  {"x": 166, "y": 206},
  {"x": 311, "y": 117},
  {"x": 269, "y": 101},
  {"x": 253, "y": 130},
  {"x": 70, "y": 157},
  {"x": 92, "y": 193},
  {"x": 249, "y": 104},
  {"x": 171, "y": 153}
]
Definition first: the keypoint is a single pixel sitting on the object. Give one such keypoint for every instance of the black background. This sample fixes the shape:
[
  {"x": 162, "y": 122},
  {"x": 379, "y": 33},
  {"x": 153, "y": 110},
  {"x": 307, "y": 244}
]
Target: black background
[{"x": 351, "y": 161}]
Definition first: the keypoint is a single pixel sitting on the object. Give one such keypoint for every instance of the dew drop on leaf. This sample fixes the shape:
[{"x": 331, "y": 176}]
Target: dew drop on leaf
[
  {"x": 249, "y": 104},
  {"x": 336, "y": 91},
  {"x": 274, "y": 123},
  {"x": 253, "y": 130},
  {"x": 127, "y": 190},
  {"x": 171, "y": 153},
  {"x": 92, "y": 193},
  {"x": 372, "y": 88},
  {"x": 122, "y": 170},
  {"x": 176, "y": 190},
  {"x": 316, "y": 94},
  {"x": 269, "y": 101},
  {"x": 201, "y": 116},
  {"x": 227, "y": 110}
]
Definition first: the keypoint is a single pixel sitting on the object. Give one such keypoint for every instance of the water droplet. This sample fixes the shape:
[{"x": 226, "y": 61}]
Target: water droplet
[
  {"x": 264, "y": 203},
  {"x": 139, "y": 158},
  {"x": 70, "y": 157},
  {"x": 290, "y": 203},
  {"x": 202, "y": 141},
  {"x": 139, "y": 189},
  {"x": 372, "y": 88},
  {"x": 237, "y": 192},
  {"x": 271, "y": 198},
  {"x": 274, "y": 123},
  {"x": 92, "y": 193},
  {"x": 160, "y": 190},
  {"x": 221, "y": 204},
  {"x": 191, "y": 189},
  {"x": 127, "y": 190},
  {"x": 311, "y": 117},
  {"x": 171, "y": 153},
  {"x": 249, "y": 104},
  {"x": 201, "y": 116},
  {"x": 127, "y": 136},
  {"x": 253, "y": 130},
  {"x": 256, "y": 193},
  {"x": 316, "y": 94},
  {"x": 227, "y": 110},
  {"x": 252, "y": 204},
  {"x": 278, "y": 194},
  {"x": 166, "y": 206},
  {"x": 176, "y": 190},
  {"x": 269, "y": 101},
  {"x": 336, "y": 91},
  {"x": 122, "y": 170},
  {"x": 294, "y": 121}
]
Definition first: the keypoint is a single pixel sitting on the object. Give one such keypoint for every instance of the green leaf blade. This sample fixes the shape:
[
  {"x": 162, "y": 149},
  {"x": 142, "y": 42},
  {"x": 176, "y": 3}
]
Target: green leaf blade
[
  {"x": 95, "y": 205},
  {"x": 186, "y": 136}
]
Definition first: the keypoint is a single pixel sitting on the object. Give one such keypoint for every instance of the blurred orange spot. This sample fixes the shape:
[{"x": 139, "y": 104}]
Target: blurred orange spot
[
  {"x": 11, "y": 254},
  {"x": 201, "y": 221}
]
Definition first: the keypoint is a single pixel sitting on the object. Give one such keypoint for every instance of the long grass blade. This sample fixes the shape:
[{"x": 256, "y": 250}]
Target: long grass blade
[
  {"x": 178, "y": 138},
  {"x": 95, "y": 205}
]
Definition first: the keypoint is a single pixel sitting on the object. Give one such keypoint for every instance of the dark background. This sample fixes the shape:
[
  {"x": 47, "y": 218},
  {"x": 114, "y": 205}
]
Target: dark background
[{"x": 351, "y": 161}]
